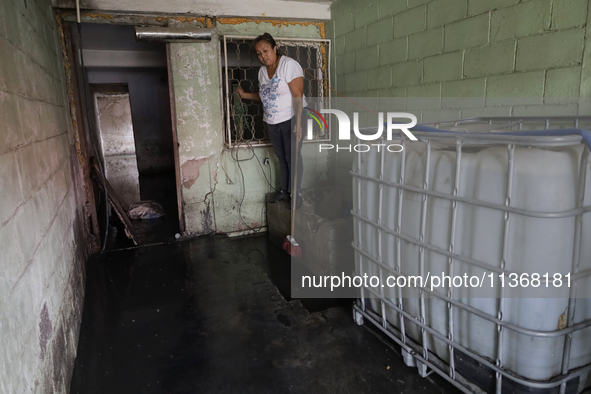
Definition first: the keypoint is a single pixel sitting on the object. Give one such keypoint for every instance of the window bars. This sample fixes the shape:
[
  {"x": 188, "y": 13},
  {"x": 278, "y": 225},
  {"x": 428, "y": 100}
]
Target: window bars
[{"x": 240, "y": 67}]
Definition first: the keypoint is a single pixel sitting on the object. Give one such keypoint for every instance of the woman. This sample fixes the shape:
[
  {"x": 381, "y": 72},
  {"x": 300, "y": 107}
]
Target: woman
[{"x": 281, "y": 81}]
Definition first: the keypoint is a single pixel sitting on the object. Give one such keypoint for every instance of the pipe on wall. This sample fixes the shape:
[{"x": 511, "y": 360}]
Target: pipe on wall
[{"x": 172, "y": 34}]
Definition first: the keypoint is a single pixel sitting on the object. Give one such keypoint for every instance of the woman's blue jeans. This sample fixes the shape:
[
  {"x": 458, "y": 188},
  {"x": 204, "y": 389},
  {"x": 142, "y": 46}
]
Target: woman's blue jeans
[{"x": 283, "y": 139}]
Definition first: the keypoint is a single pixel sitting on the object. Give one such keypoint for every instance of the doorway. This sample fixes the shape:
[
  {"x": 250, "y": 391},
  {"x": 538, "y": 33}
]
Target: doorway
[{"x": 130, "y": 124}]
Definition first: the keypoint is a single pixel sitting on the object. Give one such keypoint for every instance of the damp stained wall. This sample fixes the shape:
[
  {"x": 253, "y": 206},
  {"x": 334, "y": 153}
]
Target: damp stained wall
[
  {"x": 219, "y": 193},
  {"x": 115, "y": 130},
  {"x": 113, "y": 56},
  {"x": 41, "y": 264},
  {"x": 485, "y": 51}
]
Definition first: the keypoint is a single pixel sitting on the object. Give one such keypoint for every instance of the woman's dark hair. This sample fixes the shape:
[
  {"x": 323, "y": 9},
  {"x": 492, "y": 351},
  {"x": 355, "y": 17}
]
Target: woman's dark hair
[{"x": 264, "y": 37}]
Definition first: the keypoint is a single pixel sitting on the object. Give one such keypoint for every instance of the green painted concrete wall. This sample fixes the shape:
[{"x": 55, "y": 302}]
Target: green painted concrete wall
[
  {"x": 469, "y": 55},
  {"x": 449, "y": 48},
  {"x": 41, "y": 267},
  {"x": 212, "y": 181}
]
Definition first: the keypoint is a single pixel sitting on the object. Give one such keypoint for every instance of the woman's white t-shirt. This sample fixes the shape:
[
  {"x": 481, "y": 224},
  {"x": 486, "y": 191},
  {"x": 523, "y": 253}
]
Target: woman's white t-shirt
[{"x": 275, "y": 93}]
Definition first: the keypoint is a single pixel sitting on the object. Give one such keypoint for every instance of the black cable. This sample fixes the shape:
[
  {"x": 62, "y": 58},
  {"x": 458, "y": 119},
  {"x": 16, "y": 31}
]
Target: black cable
[
  {"x": 260, "y": 165},
  {"x": 238, "y": 160}
]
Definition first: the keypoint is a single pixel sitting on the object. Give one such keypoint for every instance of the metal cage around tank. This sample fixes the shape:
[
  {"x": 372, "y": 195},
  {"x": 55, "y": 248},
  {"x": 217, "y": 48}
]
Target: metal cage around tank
[{"x": 426, "y": 328}]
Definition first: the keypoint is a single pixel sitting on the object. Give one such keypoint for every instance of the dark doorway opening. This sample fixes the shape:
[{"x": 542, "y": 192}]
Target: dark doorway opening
[{"x": 116, "y": 64}]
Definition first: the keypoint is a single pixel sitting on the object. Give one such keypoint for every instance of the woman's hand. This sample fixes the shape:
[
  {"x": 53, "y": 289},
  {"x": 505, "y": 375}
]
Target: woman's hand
[
  {"x": 297, "y": 130},
  {"x": 247, "y": 96},
  {"x": 296, "y": 87}
]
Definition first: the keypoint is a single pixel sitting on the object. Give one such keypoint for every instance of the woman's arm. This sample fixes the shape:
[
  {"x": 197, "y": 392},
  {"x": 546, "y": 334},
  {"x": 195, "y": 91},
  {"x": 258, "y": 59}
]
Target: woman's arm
[
  {"x": 296, "y": 86},
  {"x": 249, "y": 96}
]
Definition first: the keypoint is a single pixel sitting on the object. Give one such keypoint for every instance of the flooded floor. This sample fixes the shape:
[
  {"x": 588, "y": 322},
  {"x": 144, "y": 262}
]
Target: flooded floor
[{"x": 213, "y": 315}]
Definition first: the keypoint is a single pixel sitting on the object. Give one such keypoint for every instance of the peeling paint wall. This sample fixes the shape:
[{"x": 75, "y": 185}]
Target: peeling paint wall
[
  {"x": 219, "y": 193},
  {"x": 113, "y": 113},
  {"x": 41, "y": 264}
]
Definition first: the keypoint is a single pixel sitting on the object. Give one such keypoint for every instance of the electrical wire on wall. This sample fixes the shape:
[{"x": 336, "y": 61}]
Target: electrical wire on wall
[{"x": 234, "y": 152}]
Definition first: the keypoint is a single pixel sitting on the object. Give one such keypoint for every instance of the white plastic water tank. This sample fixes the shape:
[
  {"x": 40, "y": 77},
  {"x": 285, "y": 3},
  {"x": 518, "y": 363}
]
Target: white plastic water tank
[{"x": 544, "y": 180}]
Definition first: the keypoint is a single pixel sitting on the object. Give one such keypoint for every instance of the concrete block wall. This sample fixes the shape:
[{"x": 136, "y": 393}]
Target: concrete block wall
[
  {"x": 534, "y": 50},
  {"x": 475, "y": 48},
  {"x": 41, "y": 272}
]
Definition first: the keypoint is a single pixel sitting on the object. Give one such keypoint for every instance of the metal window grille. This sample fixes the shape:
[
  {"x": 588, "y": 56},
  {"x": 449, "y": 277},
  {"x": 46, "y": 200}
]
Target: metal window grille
[{"x": 240, "y": 67}]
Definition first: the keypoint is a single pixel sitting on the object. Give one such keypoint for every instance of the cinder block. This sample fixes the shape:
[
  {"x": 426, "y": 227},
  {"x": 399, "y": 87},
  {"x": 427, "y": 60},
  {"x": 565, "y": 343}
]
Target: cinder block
[
  {"x": 407, "y": 74},
  {"x": 346, "y": 63},
  {"x": 393, "y": 51},
  {"x": 355, "y": 40},
  {"x": 27, "y": 170},
  {"x": 366, "y": 58},
  {"x": 425, "y": 43},
  {"x": 366, "y": 15},
  {"x": 55, "y": 115},
  {"x": 423, "y": 97},
  {"x": 446, "y": 67},
  {"x": 11, "y": 193},
  {"x": 344, "y": 24},
  {"x": 32, "y": 43},
  {"x": 10, "y": 122},
  {"x": 410, "y": 21},
  {"x": 391, "y": 7},
  {"x": 489, "y": 60},
  {"x": 12, "y": 63},
  {"x": 356, "y": 82},
  {"x": 562, "y": 85},
  {"x": 442, "y": 12},
  {"x": 379, "y": 78},
  {"x": 440, "y": 115},
  {"x": 339, "y": 81},
  {"x": 3, "y": 22},
  {"x": 569, "y": 13},
  {"x": 466, "y": 33},
  {"x": 557, "y": 49},
  {"x": 515, "y": 89},
  {"x": 46, "y": 160},
  {"x": 476, "y": 7},
  {"x": 14, "y": 21},
  {"x": 392, "y": 92},
  {"x": 339, "y": 45},
  {"x": 55, "y": 95},
  {"x": 485, "y": 112},
  {"x": 34, "y": 85},
  {"x": 31, "y": 223},
  {"x": 381, "y": 31},
  {"x": 524, "y": 19},
  {"x": 33, "y": 125},
  {"x": 466, "y": 93},
  {"x": 432, "y": 90},
  {"x": 391, "y": 100},
  {"x": 546, "y": 110},
  {"x": 414, "y": 3}
]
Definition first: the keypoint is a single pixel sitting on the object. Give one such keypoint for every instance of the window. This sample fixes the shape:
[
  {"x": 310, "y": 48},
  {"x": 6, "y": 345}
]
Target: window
[{"x": 240, "y": 67}]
